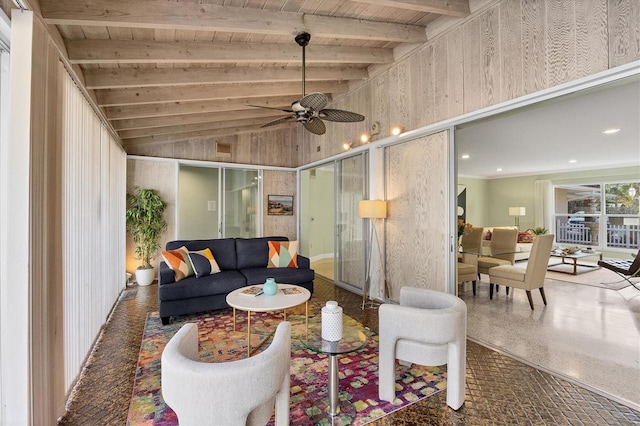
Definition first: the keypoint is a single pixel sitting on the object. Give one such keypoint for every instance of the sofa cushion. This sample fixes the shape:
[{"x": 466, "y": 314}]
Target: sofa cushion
[
  {"x": 254, "y": 252},
  {"x": 283, "y": 254},
  {"x": 223, "y": 250},
  {"x": 281, "y": 275},
  {"x": 203, "y": 263},
  {"x": 178, "y": 261},
  {"x": 209, "y": 285}
]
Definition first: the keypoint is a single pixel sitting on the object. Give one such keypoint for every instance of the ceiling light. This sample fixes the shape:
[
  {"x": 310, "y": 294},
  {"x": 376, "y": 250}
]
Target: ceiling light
[
  {"x": 346, "y": 146},
  {"x": 499, "y": 169},
  {"x": 465, "y": 156},
  {"x": 364, "y": 138},
  {"x": 573, "y": 161},
  {"x": 610, "y": 131},
  {"x": 395, "y": 131}
]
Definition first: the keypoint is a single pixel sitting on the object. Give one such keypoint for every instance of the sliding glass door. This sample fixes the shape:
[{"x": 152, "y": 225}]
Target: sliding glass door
[
  {"x": 331, "y": 231},
  {"x": 218, "y": 203}
]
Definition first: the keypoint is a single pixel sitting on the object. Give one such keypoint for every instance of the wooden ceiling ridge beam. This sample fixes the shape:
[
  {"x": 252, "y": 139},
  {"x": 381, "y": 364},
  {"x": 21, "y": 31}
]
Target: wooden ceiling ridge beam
[
  {"x": 183, "y": 119},
  {"x": 144, "y": 95},
  {"x": 184, "y": 128},
  {"x": 138, "y": 52},
  {"x": 123, "y": 112},
  {"x": 181, "y": 137},
  {"x": 99, "y": 78},
  {"x": 457, "y": 8},
  {"x": 195, "y": 16}
]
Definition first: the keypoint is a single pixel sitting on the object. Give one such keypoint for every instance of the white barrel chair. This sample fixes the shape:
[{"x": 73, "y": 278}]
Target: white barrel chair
[
  {"x": 427, "y": 328},
  {"x": 235, "y": 393}
]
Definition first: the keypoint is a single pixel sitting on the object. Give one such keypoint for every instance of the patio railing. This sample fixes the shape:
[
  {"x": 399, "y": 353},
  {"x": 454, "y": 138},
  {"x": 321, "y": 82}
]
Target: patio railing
[{"x": 619, "y": 236}]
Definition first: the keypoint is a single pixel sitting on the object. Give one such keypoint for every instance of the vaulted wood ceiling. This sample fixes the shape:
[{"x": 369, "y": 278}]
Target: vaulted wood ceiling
[{"x": 165, "y": 70}]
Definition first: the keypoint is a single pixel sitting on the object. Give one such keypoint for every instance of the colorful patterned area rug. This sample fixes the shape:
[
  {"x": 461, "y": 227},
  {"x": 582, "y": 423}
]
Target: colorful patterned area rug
[{"x": 219, "y": 342}]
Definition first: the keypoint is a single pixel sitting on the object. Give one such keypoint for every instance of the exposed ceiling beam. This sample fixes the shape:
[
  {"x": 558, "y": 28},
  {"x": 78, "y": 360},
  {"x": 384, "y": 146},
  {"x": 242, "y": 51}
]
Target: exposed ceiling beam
[
  {"x": 144, "y": 77},
  {"x": 195, "y": 16},
  {"x": 458, "y": 8},
  {"x": 121, "y": 112},
  {"x": 144, "y": 95},
  {"x": 185, "y": 128},
  {"x": 181, "y": 137},
  {"x": 184, "y": 119},
  {"x": 138, "y": 52}
]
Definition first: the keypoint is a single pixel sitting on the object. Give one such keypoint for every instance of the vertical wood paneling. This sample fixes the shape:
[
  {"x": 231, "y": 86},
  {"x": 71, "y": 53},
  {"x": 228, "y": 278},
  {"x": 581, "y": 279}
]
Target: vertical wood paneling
[
  {"x": 511, "y": 50},
  {"x": 624, "y": 32},
  {"x": 416, "y": 227},
  {"x": 441, "y": 80},
  {"x": 455, "y": 71},
  {"x": 533, "y": 46},
  {"x": 380, "y": 99},
  {"x": 472, "y": 65},
  {"x": 279, "y": 183},
  {"x": 561, "y": 42},
  {"x": 426, "y": 103},
  {"x": 418, "y": 102},
  {"x": 489, "y": 33},
  {"x": 591, "y": 37},
  {"x": 399, "y": 97}
]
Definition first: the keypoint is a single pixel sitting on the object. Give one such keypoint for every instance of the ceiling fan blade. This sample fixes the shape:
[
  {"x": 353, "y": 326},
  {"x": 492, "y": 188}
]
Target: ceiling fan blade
[
  {"x": 315, "y": 126},
  {"x": 340, "y": 115},
  {"x": 278, "y": 121},
  {"x": 268, "y": 107},
  {"x": 315, "y": 101}
]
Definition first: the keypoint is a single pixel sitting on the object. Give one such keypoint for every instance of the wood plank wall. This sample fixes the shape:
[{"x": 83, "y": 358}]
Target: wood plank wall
[
  {"x": 279, "y": 183},
  {"x": 513, "y": 48}
]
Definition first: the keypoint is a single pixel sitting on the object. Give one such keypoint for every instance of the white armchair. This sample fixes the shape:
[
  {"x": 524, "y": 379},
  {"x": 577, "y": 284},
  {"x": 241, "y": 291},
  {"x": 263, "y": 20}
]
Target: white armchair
[
  {"x": 242, "y": 392},
  {"x": 427, "y": 328}
]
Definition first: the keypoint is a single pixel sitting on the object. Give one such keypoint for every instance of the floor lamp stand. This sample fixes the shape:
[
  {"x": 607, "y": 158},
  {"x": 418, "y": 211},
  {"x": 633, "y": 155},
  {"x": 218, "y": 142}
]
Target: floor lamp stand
[{"x": 371, "y": 304}]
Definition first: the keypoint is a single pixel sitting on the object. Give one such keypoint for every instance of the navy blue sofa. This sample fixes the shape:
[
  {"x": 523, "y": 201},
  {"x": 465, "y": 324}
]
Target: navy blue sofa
[{"x": 242, "y": 262}]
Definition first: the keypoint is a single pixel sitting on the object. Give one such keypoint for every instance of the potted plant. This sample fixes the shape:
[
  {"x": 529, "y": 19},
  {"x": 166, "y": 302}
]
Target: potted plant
[
  {"x": 145, "y": 224},
  {"x": 539, "y": 230}
]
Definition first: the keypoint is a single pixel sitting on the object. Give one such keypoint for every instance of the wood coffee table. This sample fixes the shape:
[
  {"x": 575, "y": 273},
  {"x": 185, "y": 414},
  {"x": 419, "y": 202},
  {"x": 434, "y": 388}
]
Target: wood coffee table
[
  {"x": 264, "y": 303},
  {"x": 574, "y": 258}
]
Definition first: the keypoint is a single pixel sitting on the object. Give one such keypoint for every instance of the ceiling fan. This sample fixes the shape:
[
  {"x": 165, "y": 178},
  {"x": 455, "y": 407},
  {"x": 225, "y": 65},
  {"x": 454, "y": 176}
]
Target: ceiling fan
[{"x": 310, "y": 109}]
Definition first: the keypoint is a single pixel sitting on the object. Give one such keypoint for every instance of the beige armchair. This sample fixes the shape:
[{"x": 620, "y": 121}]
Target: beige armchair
[
  {"x": 467, "y": 261},
  {"x": 427, "y": 328},
  {"x": 526, "y": 279},
  {"x": 235, "y": 393}
]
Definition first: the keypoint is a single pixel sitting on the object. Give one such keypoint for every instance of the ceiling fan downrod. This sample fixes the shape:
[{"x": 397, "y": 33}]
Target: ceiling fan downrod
[{"x": 303, "y": 40}]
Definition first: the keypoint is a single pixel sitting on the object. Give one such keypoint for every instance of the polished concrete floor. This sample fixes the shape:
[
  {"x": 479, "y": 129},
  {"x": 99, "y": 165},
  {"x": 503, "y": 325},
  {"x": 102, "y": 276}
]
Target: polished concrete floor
[
  {"x": 500, "y": 389},
  {"x": 587, "y": 334}
]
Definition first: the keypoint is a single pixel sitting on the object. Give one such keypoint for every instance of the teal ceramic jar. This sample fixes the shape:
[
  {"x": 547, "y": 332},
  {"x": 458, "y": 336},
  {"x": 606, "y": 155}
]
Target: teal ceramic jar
[{"x": 270, "y": 287}]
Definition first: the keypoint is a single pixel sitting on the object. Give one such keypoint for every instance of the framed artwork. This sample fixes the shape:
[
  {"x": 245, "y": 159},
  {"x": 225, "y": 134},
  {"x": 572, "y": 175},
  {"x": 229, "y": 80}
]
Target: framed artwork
[{"x": 280, "y": 205}]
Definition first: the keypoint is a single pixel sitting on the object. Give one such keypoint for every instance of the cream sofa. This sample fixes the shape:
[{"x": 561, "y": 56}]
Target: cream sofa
[{"x": 523, "y": 248}]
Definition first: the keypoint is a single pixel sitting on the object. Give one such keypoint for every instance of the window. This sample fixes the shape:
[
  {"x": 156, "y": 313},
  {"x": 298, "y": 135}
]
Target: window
[{"x": 604, "y": 215}]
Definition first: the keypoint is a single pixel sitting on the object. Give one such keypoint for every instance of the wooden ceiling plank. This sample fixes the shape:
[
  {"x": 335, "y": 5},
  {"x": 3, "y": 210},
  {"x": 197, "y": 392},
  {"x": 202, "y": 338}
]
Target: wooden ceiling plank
[
  {"x": 120, "y": 51},
  {"x": 457, "y": 8},
  {"x": 143, "y": 95},
  {"x": 178, "y": 137},
  {"x": 123, "y": 112},
  {"x": 162, "y": 14},
  {"x": 175, "y": 120},
  {"x": 216, "y": 125},
  {"x": 131, "y": 77}
]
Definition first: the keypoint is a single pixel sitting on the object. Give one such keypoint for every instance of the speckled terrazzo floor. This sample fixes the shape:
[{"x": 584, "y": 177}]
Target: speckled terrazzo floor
[{"x": 500, "y": 389}]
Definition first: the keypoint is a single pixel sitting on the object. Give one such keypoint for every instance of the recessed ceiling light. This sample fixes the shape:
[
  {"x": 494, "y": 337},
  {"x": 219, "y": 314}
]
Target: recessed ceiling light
[
  {"x": 499, "y": 169},
  {"x": 465, "y": 156},
  {"x": 610, "y": 131},
  {"x": 573, "y": 161}
]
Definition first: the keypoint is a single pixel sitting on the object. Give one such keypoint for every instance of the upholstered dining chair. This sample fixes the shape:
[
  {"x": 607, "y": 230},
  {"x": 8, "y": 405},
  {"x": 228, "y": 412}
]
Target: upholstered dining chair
[
  {"x": 527, "y": 279},
  {"x": 239, "y": 393},
  {"x": 503, "y": 240},
  {"x": 471, "y": 241},
  {"x": 427, "y": 328}
]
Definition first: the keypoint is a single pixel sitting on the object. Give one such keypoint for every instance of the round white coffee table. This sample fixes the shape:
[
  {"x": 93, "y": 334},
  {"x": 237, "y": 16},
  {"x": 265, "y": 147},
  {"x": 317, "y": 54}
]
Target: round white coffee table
[{"x": 263, "y": 303}]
